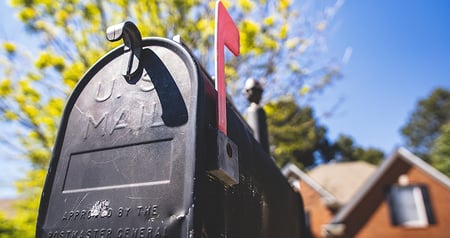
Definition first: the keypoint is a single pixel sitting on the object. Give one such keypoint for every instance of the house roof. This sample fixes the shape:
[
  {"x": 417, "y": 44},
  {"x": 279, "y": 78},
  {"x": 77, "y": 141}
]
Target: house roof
[
  {"x": 342, "y": 179},
  {"x": 402, "y": 154},
  {"x": 291, "y": 168},
  {"x": 336, "y": 183}
]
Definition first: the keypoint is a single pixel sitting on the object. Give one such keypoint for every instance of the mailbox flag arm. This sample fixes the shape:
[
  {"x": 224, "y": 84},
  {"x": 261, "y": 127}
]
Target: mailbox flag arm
[
  {"x": 226, "y": 165},
  {"x": 226, "y": 34}
]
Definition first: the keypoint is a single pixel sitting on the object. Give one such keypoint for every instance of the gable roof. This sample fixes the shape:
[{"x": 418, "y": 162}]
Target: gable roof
[
  {"x": 342, "y": 179},
  {"x": 336, "y": 183},
  {"x": 326, "y": 196},
  {"x": 402, "y": 154}
]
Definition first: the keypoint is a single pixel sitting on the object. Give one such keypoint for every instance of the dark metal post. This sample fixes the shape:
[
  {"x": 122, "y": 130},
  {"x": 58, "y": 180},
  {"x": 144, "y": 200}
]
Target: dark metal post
[{"x": 255, "y": 114}]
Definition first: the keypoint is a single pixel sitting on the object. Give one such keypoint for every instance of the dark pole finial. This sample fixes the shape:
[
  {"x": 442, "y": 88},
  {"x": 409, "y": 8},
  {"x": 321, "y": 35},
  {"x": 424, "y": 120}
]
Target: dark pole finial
[
  {"x": 253, "y": 90},
  {"x": 255, "y": 114}
]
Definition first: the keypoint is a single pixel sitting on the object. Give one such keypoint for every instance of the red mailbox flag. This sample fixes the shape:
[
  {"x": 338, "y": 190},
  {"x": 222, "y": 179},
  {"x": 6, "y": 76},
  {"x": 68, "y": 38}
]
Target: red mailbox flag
[{"x": 226, "y": 34}]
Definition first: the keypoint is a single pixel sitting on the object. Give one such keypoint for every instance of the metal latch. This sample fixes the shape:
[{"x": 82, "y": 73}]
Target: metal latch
[
  {"x": 132, "y": 41},
  {"x": 227, "y": 164}
]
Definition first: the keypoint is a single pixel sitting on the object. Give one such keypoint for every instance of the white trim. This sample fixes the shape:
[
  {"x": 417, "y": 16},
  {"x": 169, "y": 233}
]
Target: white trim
[
  {"x": 424, "y": 166},
  {"x": 421, "y": 212},
  {"x": 333, "y": 230},
  {"x": 326, "y": 196}
]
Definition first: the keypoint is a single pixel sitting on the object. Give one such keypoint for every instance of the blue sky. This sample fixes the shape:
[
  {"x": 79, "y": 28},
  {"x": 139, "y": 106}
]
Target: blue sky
[{"x": 400, "y": 52}]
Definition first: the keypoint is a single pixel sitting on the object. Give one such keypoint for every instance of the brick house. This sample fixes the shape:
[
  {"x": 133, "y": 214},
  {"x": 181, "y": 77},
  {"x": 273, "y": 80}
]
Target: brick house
[{"x": 403, "y": 197}]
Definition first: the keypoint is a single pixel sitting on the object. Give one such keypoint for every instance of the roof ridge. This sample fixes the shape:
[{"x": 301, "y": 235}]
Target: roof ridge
[{"x": 424, "y": 166}]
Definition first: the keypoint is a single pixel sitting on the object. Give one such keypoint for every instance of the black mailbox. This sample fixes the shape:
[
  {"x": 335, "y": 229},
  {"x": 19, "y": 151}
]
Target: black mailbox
[{"x": 136, "y": 152}]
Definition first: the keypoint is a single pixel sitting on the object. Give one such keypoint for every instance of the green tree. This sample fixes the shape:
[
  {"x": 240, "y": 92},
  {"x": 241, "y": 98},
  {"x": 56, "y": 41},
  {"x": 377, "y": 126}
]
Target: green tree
[
  {"x": 295, "y": 134},
  {"x": 278, "y": 40},
  {"x": 345, "y": 147},
  {"x": 6, "y": 227},
  {"x": 297, "y": 137},
  {"x": 440, "y": 152},
  {"x": 424, "y": 124},
  {"x": 370, "y": 155},
  {"x": 346, "y": 150}
]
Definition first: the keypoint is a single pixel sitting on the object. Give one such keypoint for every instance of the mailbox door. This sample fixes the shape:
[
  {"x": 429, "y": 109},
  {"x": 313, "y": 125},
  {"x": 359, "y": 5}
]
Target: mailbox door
[{"x": 123, "y": 163}]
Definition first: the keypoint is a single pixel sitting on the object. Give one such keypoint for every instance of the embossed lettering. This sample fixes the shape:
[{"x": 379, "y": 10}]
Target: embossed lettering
[
  {"x": 133, "y": 118},
  {"x": 148, "y": 210},
  {"x": 121, "y": 122},
  {"x": 74, "y": 215},
  {"x": 123, "y": 211},
  {"x": 154, "y": 211},
  {"x": 106, "y": 95},
  {"x": 109, "y": 233},
  {"x": 83, "y": 213},
  {"x": 77, "y": 213},
  {"x": 70, "y": 215},
  {"x": 103, "y": 232},
  {"x": 141, "y": 232},
  {"x": 96, "y": 124}
]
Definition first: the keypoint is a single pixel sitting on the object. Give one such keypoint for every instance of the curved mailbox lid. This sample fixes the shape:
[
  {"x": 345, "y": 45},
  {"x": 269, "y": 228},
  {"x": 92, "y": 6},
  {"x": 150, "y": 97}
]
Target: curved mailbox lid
[{"x": 123, "y": 162}]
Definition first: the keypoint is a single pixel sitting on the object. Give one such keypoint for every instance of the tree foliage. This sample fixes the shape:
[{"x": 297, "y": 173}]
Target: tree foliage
[
  {"x": 424, "y": 124},
  {"x": 294, "y": 133},
  {"x": 279, "y": 39},
  {"x": 440, "y": 152},
  {"x": 345, "y": 149},
  {"x": 6, "y": 227},
  {"x": 297, "y": 137}
]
